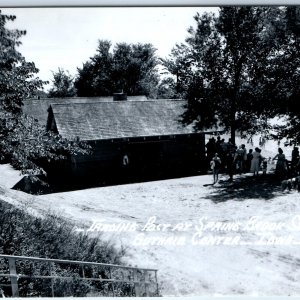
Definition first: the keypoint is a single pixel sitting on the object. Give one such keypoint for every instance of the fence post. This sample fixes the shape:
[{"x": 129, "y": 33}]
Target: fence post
[
  {"x": 13, "y": 277},
  {"x": 112, "y": 283},
  {"x": 136, "y": 283},
  {"x": 146, "y": 283},
  {"x": 157, "y": 287},
  {"x": 83, "y": 273},
  {"x": 52, "y": 280}
]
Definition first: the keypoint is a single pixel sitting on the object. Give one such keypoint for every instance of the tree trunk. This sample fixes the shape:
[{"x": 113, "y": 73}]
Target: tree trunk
[
  {"x": 235, "y": 99},
  {"x": 233, "y": 132},
  {"x": 232, "y": 121}
]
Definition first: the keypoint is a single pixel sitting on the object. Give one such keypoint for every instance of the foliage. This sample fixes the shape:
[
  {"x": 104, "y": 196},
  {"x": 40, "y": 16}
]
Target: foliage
[
  {"x": 286, "y": 86},
  {"x": 94, "y": 79},
  {"x": 40, "y": 94},
  {"x": 51, "y": 237},
  {"x": 23, "y": 141},
  {"x": 16, "y": 75},
  {"x": 167, "y": 89},
  {"x": 63, "y": 85},
  {"x": 129, "y": 67},
  {"x": 179, "y": 66},
  {"x": 231, "y": 75}
]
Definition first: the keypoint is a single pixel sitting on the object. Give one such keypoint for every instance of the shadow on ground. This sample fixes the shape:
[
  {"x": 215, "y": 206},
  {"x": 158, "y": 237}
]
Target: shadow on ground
[
  {"x": 247, "y": 187},
  {"x": 39, "y": 185}
]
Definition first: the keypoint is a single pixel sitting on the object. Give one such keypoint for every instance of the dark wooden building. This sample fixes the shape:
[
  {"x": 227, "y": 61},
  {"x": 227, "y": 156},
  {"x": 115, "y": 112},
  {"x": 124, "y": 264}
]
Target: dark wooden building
[{"x": 132, "y": 140}]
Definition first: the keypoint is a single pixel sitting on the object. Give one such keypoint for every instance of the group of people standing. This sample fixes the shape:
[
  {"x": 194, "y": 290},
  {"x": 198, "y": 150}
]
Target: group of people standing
[
  {"x": 258, "y": 162},
  {"x": 225, "y": 156},
  {"x": 284, "y": 169}
]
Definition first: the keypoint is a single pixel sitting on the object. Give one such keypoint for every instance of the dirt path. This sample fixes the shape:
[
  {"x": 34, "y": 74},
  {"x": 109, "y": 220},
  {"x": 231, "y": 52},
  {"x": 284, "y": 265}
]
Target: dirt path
[{"x": 187, "y": 267}]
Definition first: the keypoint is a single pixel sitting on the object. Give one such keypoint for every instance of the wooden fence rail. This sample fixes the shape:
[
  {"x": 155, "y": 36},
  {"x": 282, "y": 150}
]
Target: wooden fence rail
[{"x": 143, "y": 280}]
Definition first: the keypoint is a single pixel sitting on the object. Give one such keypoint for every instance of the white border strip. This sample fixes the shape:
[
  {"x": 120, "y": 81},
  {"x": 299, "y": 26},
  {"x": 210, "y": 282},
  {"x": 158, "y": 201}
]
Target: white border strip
[{"x": 64, "y": 3}]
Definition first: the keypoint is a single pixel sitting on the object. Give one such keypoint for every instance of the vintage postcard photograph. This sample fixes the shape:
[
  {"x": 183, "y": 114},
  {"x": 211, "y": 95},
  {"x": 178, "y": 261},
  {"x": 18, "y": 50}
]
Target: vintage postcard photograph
[{"x": 149, "y": 151}]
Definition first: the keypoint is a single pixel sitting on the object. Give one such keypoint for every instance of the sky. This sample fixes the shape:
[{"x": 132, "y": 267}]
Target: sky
[{"x": 66, "y": 37}]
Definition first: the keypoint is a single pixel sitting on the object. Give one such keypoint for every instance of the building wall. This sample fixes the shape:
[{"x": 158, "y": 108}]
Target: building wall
[{"x": 149, "y": 159}]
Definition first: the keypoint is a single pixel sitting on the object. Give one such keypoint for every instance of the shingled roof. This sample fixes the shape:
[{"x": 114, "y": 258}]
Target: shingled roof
[
  {"x": 38, "y": 108},
  {"x": 118, "y": 119}
]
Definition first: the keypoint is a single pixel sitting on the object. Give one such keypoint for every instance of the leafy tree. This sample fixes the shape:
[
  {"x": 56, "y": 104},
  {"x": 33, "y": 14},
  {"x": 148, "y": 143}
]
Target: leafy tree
[
  {"x": 102, "y": 63},
  {"x": 22, "y": 140},
  {"x": 94, "y": 79},
  {"x": 16, "y": 75},
  {"x": 179, "y": 66},
  {"x": 63, "y": 85},
  {"x": 287, "y": 75},
  {"x": 128, "y": 68},
  {"x": 40, "y": 94},
  {"x": 167, "y": 89},
  {"x": 229, "y": 55},
  {"x": 122, "y": 69},
  {"x": 142, "y": 70},
  {"x": 84, "y": 81}
]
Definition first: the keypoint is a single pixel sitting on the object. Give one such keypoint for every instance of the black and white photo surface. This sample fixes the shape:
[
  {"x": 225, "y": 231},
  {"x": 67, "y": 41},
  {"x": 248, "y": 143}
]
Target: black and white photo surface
[{"x": 149, "y": 151}]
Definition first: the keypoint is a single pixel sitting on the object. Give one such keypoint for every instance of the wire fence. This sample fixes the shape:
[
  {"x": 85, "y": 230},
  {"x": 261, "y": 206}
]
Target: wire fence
[{"x": 22, "y": 276}]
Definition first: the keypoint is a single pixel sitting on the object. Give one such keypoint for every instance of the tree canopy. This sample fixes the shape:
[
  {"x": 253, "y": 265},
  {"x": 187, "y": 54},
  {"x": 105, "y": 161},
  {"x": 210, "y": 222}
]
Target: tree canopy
[
  {"x": 234, "y": 69},
  {"x": 286, "y": 84},
  {"x": 130, "y": 68},
  {"x": 17, "y": 79},
  {"x": 62, "y": 85},
  {"x": 23, "y": 141}
]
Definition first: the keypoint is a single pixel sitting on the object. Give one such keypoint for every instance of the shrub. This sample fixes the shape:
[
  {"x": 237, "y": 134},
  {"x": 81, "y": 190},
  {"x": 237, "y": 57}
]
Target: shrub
[{"x": 51, "y": 237}]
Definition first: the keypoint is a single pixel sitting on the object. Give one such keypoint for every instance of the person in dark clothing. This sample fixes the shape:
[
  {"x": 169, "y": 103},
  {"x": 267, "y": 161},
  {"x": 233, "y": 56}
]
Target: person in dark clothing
[
  {"x": 230, "y": 162},
  {"x": 210, "y": 149},
  {"x": 264, "y": 166},
  {"x": 281, "y": 165},
  {"x": 295, "y": 159},
  {"x": 249, "y": 159},
  {"x": 240, "y": 158},
  {"x": 218, "y": 142},
  {"x": 219, "y": 148}
]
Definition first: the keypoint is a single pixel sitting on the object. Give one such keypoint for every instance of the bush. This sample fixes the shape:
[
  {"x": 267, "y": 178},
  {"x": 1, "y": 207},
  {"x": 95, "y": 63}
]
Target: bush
[{"x": 50, "y": 237}]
